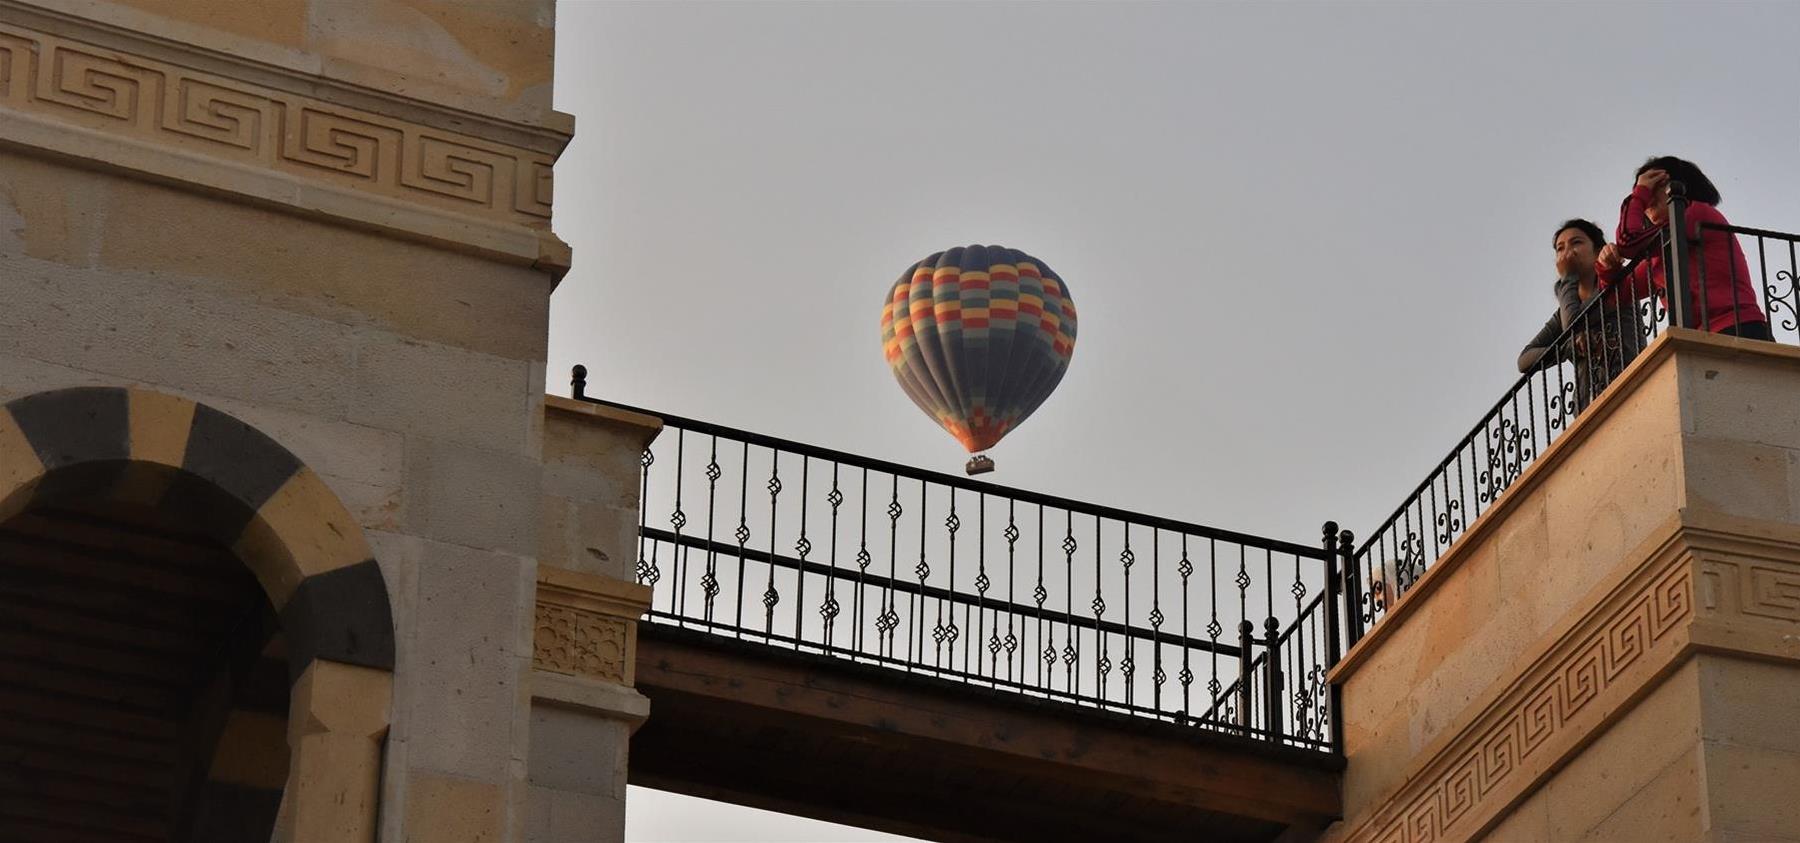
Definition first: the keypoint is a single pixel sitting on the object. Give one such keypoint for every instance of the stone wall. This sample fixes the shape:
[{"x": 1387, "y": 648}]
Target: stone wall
[
  {"x": 1605, "y": 654},
  {"x": 330, "y": 219}
]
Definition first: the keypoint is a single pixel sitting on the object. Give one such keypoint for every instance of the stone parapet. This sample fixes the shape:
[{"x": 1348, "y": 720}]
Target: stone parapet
[{"x": 591, "y": 486}]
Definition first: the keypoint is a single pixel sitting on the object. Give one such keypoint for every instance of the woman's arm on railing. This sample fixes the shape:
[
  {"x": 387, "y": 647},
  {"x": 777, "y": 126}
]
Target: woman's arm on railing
[
  {"x": 1568, "y": 306},
  {"x": 1533, "y": 356}
]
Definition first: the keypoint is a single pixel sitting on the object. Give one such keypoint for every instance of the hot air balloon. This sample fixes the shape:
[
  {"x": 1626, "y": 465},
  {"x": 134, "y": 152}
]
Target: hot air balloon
[{"x": 978, "y": 337}]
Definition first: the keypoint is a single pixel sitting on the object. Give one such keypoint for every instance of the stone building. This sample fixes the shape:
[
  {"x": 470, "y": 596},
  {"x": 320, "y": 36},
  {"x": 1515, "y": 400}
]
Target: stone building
[
  {"x": 283, "y": 498},
  {"x": 294, "y": 546}
]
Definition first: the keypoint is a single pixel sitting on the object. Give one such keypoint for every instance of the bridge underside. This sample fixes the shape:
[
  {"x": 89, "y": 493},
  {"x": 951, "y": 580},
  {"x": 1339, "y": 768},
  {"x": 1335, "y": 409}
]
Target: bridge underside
[{"x": 877, "y": 748}]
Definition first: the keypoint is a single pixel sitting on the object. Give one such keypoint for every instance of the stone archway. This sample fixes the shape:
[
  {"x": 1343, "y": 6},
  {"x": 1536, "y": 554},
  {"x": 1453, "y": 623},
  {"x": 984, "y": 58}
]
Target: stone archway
[{"x": 162, "y": 454}]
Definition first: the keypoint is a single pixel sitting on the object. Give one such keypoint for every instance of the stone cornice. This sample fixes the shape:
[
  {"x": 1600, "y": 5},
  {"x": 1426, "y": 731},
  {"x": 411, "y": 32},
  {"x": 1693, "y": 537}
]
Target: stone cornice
[
  {"x": 274, "y": 68},
  {"x": 195, "y": 117},
  {"x": 644, "y": 427}
]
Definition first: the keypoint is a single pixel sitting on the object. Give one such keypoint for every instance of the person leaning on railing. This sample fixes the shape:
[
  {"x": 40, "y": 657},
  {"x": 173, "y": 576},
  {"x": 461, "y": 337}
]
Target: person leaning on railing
[
  {"x": 1608, "y": 336},
  {"x": 1718, "y": 276}
]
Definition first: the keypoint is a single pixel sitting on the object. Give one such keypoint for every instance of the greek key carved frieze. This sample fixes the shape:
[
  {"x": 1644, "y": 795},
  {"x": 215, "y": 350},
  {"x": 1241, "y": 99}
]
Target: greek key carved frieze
[
  {"x": 1755, "y": 589},
  {"x": 153, "y": 102},
  {"x": 1487, "y": 759}
]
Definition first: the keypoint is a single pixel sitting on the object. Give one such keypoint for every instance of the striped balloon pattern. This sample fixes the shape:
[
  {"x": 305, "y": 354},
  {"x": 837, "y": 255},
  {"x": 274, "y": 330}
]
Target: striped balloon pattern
[{"x": 978, "y": 337}]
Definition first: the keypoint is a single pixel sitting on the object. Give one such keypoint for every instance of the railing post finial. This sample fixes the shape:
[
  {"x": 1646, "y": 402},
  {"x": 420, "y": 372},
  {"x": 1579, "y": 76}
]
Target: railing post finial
[
  {"x": 1353, "y": 621},
  {"x": 578, "y": 381},
  {"x": 1676, "y": 278}
]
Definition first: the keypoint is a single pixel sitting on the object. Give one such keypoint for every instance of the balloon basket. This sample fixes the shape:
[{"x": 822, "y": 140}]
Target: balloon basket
[{"x": 978, "y": 465}]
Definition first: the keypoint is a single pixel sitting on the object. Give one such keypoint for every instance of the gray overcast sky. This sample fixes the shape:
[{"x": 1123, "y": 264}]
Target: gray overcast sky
[{"x": 1307, "y": 240}]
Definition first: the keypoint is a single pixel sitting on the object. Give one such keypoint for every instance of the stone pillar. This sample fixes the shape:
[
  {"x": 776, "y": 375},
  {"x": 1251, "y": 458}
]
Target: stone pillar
[
  {"x": 329, "y": 219},
  {"x": 1613, "y": 651},
  {"x": 584, "y": 656}
]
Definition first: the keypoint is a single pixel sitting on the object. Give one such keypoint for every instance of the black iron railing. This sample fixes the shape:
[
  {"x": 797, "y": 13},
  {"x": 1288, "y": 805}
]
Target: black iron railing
[
  {"x": 1595, "y": 346},
  {"x": 816, "y": 550}
]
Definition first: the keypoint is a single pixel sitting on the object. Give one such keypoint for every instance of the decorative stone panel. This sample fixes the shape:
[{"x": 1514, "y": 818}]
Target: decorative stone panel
[{"x": 586, "y": 625}]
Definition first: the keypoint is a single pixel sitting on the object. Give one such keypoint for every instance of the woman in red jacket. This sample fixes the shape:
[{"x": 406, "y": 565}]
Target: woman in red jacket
[{"x": 1720, "y": 292}]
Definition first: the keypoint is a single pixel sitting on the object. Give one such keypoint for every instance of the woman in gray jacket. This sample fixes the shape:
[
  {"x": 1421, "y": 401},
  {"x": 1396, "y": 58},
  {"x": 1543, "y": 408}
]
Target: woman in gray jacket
[{"x": 1610, "y": 334}]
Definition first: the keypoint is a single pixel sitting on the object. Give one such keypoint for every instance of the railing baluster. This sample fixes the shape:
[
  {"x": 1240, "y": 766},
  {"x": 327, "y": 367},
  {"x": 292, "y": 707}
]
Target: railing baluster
[
  {"x": 709, "y": 584},
  {"x": 1214, "y": 628},
  {"x": 1046, "y": 661},
  {"x": 646, "y": 571},
  {"x": 1156, "y": 618},
  {"x": 1245, "y": 644},
  {"x": 1102, "y": 665},
  {"x": 771, "y": 597},
  {"x": 743, "y": 531},
  {"x": 803, "y": 547},
  {"x": 677, "y": 520},
  {"x": 890, "y": 620},
  {"x": 1272, "y": 636},
  {"x": 981, "y": 587},
  {"x": 1069, "y": 649},
  {"x": 863, "y": 558},
  {"x": 915, "y": 622},
  {"x": 1128, "y": 665},
  {"x": 1011, "y": 643},
  {"x": 828, "y": 610}
]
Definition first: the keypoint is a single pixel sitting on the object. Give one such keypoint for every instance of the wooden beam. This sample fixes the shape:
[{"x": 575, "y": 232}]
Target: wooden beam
[{"x": 718, "y": 705}]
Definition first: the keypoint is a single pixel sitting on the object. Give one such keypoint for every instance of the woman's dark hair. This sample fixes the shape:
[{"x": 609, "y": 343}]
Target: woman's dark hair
[
  {"x": 1592, "y": 231},
  {"x": 1699, "y": 187}
]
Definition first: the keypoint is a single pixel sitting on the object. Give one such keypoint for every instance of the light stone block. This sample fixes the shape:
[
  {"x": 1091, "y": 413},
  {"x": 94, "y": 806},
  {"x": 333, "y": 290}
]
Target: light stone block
[
  {"x": 591, "y": 538},
  {"x": 450, "y": 809},
  {"x": 605, "y": 541},
  {"x": 47, "y": 214},
  {"x": 493, "y": 52},
  {"x": 1753, "y": 790},
  {"x": 594, "y": 460},
  {"x": 1739, "y": 478},
  {"x": 1527, "y": 823},
  {"x": 275, "y": 21},
  {"x": 83, "y": 218},
  {"x": 1625, "y": 759},
  {"x": 21, "y": 376},
  {"x": 537, "y": 815},
  {"x": 555, "y": 532},
  {"x": 1669, "y": 809},
  {"x": 443, "y": 392},
  {"x": 1743, "y": 399},
  {"x": 1751, "y": 703},
  {"x": 185, "y": 338},
  {"x": 471, "y": 497},
  {"x": 563, "y": 817},
  {"x": 332, "y": 448},
  {"x": 323, "y": 271},
  {"x": 460, "y": 684},
  {"x": 578, "y": 752}
]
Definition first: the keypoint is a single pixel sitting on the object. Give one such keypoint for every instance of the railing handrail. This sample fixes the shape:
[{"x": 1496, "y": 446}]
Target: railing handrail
[
  {"x": 1568, "y": 331},
  {"x": 923, "y": 475},
  {"x": 1754, "y": 232},
  {"x": 1673, "y": 289}
]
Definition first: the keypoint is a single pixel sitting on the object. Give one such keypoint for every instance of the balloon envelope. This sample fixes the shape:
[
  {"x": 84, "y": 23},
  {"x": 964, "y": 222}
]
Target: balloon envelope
[{"x": 978, "y": 337}]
